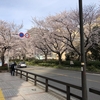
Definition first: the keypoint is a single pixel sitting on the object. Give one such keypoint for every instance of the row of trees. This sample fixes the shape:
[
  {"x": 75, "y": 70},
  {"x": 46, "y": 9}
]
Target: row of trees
[
  {"x": 60, "y": 33},
  {"x": 54, "y": 34},
  {"x": 11, "y": 45}
]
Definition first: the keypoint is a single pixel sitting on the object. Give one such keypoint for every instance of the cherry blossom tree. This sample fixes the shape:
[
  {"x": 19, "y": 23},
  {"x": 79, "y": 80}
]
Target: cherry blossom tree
[
  {"x": 7, "y": 37},
  {"x": 38, "y": 41},
  {"x": 49, "y": 41},
  {"x": 61, "y": 31},
  {"x": 70, "y": 22}
]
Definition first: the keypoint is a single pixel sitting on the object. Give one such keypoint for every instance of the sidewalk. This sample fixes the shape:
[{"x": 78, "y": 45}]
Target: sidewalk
[{"x": 14, "y": 88}]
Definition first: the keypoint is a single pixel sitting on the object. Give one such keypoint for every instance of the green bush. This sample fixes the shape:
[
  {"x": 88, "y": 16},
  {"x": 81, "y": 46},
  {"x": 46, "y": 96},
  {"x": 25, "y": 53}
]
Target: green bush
[
  {"x": 38, "y": 61},
  {"x": 43, "y": 62},
  {"x": 77, "y": 63},
  {"x": 3, "y": 68},
  {"x": 65, "y": 63},
  {"x": 54, "y": 61},
  {"x": 96, "y": 64},
  {"x": 91, "y": 68}
]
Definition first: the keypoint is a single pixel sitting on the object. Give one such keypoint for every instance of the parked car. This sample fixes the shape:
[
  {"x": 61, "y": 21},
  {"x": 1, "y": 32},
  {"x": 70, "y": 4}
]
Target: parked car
[{"x": 22, "y": 65}]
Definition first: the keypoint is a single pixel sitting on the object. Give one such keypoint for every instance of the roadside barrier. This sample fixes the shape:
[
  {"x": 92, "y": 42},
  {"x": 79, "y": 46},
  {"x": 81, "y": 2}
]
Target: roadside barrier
[
  {"x": 35, "y": 77},
  {"x": 95, "y": 91},
  {"x": 47, "y": 80}
]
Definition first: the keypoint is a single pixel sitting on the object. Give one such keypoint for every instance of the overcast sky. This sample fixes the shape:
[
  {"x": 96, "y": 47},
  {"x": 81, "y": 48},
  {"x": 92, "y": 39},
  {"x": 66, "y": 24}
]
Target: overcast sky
[{"x": 22, "y": 11}]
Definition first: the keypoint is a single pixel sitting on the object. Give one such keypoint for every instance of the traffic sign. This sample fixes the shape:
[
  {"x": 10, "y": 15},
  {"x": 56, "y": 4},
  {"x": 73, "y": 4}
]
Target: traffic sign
[
  {"x": 27, "y": 35},
  {"x": 21, "y": 34}
]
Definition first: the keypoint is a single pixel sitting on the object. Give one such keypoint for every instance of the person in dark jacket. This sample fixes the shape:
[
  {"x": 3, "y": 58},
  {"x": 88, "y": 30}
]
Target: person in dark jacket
[{"x": 12, "y": 68}]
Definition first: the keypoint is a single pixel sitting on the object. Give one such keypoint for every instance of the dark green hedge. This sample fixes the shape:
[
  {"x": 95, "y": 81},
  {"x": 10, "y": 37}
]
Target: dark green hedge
[
  {"x": 54, "y": 62},
  {"x": 3, "y": 68},
  {"x": 96, "y": 64}
]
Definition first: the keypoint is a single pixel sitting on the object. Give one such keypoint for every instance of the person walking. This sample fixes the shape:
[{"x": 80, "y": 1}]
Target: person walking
[{"x": 12, "y": 69}]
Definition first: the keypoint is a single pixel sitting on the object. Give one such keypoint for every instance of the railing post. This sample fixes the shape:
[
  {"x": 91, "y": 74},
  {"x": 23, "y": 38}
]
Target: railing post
[
  {"x": 35, "y": 80},
  {"x": 20, "y": 74},
  {"x": 46, "y": 88},
  {"x": 68, "y": 92},
  {"x": 26, "y": 76}
]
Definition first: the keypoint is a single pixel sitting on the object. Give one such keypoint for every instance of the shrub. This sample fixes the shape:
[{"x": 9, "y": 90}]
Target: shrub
[
  {"x": 96, "y": 64},
  {"x": 3, "y": 68},
  {"x": 91, "y": 68}
]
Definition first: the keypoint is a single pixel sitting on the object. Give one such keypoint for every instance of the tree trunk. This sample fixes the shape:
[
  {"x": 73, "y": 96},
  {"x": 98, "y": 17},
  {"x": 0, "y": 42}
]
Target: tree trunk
[
  {"x": 59, "y": 57},
  {"x": 24, "y": 57},
  {"x": 45, "y": 57},
  {"x": 2, "y": 56},
  {"x": 2, "y": 59}
]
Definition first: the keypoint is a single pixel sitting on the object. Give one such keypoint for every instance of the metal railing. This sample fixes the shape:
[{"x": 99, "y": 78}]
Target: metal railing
[
  {"x": 94, "y": 90},
  {"x": 47, "y": 85}
]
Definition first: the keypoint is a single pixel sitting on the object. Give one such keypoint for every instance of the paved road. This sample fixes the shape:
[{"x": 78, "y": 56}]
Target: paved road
[{"x": 74, "y": 77}]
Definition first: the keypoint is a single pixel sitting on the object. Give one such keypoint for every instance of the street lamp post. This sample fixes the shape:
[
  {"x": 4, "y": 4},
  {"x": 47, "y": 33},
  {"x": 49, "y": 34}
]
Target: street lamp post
[{"x": 83, "y": 64}]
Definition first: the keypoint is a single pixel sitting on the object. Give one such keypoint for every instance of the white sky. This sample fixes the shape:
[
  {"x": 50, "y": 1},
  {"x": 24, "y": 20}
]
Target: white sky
[{"x": 22, "y": 11}]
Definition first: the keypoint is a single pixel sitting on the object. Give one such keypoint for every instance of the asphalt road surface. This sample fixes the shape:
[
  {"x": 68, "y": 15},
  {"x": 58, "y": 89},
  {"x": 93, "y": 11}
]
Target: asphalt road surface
[{"x": 73, "y": 77}]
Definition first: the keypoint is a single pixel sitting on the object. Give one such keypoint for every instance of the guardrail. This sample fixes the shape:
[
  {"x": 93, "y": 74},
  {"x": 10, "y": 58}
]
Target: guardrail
[
  {"x": 47, "y": 85},
  {"x": 95, "y": 91}
]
